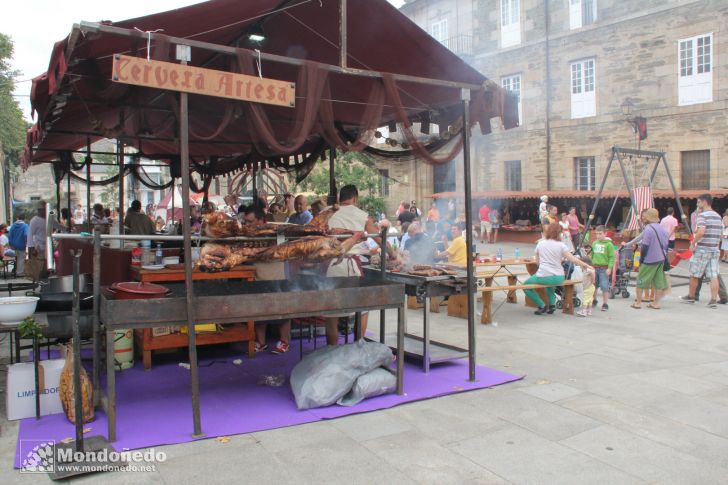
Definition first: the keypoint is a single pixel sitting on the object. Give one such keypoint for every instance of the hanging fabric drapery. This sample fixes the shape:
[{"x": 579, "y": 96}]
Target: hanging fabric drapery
[{"x": 643, "y": 200}]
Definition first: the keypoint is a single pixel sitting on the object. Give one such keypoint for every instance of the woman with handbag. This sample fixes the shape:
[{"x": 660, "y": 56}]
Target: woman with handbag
[{"x": 654, "y": 258}]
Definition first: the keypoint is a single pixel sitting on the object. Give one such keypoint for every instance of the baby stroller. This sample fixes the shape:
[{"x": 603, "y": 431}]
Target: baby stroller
[
  {"x": 568, "y": 274},
  {"x": 625, "y": 263}
]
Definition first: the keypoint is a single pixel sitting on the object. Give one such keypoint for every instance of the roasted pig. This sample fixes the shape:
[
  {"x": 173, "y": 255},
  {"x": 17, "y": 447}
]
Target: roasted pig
[
  {"x": 221, "y": 257},
  {"x": 312, "y": 249}
]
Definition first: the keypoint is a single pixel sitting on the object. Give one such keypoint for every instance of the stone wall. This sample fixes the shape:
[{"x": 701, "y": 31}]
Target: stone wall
[{"x": 635, "y": 47}]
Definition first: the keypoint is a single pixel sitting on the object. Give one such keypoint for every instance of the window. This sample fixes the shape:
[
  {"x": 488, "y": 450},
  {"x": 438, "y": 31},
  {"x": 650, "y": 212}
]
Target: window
[
  {"x": 444, "y": 176},
  {"x": 384, "y": 183},
  {"x": 581, "y": 13},
  {"x": 585, "y": 170},
  {"x": 513, "y": 175},
  {"x": 583, "y": 98},
  {"x": 513, "y": 84},
  {"x": 695, "y": 79},
  {"x": 510, "y": 23},
  {"x": 695, "y": 170},
  {"x": 439, "y": 31}
]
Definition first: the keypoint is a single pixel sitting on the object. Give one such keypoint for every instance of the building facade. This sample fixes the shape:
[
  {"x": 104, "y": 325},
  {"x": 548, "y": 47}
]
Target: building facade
[{"x": 583, "y": 69}]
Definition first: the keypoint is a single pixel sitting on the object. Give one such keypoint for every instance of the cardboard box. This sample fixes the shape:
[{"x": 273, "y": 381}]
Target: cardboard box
[
  {"x": 20, "y": 400},
  {"x": 202, "y": 328}
]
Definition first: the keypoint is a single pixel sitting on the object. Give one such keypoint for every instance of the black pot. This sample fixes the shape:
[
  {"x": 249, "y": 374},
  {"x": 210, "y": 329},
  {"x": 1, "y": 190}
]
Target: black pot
[{"x": 63, "y": 302}]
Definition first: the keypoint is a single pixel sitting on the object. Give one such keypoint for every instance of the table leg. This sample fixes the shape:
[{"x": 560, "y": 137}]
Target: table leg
[
  {"x": 426, "y": 336},
  {"x": 147, "y": 359},
  {"x": 382, "y": 327},
  {"x": 251, "y": 338},
  {"x": 357, "y": 326},
  {"x": 568, "y": 300},
  {"x": 17, "y": 345},
  {"x": 435, "y": 304},
  {"x": 400, "y": 349},
  {"x": 110, "y": 386},
  {"x": 486, "y": 317},
  {"x": 512, "y": 297}
]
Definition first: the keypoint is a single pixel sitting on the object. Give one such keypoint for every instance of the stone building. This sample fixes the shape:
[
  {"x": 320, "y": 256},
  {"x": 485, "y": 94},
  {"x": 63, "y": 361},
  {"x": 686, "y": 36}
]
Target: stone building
[{"x": 578, "y": 65}]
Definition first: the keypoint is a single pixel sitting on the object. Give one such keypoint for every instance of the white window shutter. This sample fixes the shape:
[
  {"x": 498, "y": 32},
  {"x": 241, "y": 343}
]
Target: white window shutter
[{"x": 574, "y": 14}]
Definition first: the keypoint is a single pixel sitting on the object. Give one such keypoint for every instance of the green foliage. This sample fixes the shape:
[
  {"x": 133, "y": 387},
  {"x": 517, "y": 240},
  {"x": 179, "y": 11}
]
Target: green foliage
[
  {"x": 351, "y": 168},
  {"x": 110, "y": 195},
  {"x": 12, "y": 125},
  {"x": 29, "y": 328}
]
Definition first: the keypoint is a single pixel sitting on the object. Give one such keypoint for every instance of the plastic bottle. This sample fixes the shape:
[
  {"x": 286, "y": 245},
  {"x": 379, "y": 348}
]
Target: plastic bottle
[
  {"x": 136, "y": 256},
  {"x": 517, "y": 254},
  {"x": 499, "y": 255},
  {"x": 158, "y": 256}
]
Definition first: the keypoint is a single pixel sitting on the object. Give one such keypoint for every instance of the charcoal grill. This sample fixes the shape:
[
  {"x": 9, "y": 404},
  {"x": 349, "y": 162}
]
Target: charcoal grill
[{"x": 236, "y": 301}]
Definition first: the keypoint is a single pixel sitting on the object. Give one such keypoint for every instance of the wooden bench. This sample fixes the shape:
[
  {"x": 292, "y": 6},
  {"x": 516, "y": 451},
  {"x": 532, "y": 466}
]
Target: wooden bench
[
  {"x": 456, "y": 303},
  {"x": 567, "y": 298}
]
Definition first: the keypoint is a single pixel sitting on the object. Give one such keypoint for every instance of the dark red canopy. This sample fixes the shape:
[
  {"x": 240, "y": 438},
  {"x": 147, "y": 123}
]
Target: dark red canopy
[{"x": 76, "y": 100}]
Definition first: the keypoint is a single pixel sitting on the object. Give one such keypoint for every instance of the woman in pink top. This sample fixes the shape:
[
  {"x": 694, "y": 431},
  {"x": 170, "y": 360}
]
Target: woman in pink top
[{"x": 575, "y": 226}]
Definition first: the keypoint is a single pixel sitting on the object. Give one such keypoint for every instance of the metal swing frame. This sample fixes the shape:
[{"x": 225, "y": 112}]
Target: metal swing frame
[{"x": 619, "y": 153}]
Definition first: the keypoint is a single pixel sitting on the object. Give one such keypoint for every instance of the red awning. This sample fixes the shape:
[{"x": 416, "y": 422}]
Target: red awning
[{"x": 76, "y": 99}]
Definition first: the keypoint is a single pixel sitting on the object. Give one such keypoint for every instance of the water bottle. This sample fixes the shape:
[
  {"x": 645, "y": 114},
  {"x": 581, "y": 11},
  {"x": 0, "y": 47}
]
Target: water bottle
[
  {"x": 158, "y": 255},
  {"x": 517, "y": 254},
  {"x": 499, "y": 255}
]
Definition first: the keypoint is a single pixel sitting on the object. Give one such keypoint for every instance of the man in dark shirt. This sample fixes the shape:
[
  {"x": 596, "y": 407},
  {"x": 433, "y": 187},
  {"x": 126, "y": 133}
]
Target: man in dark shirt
[
  {"x": 406, "y": 216},
  {"x": 137, "y": 222}
]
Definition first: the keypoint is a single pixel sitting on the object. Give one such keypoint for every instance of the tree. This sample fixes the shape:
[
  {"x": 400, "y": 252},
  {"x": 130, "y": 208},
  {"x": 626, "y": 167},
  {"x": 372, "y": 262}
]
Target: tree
[
  {"x": 350, "y": 168},
  {"x": 12, "y": 124},
  {"x": 110, "y": 195}
]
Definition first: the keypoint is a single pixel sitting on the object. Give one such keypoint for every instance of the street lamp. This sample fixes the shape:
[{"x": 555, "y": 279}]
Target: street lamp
[{"x": 627, "y": 106}]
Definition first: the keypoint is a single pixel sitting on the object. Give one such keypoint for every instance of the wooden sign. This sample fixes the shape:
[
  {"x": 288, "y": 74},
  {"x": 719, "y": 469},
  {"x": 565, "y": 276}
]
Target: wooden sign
[{"x": 196, "y": 80}]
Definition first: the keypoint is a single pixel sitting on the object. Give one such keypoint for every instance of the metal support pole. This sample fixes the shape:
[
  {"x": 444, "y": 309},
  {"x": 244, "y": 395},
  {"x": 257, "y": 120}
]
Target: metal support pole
[
  {"x": 189, "y": 287},
  {"x": 465, "y": 96},
  {"x": 383, "y": 273},
  {"x": 343, "y": 33},
  {"x": 68, "y": 201},
  {"x": 587, "y": 223},
  {"x": 255, "y": 183},
  {"x": 683, "y": 216},
  {"x": 77, "y": 391},
  {"x": 333, "y": 197},
  {"x": 633, "y": 203},
  {"x": 88, "y": 184},
  {"x": 96, "y": 328},
  {"x": 120, "y": 156},
  {"x": 400, "y": 348}
]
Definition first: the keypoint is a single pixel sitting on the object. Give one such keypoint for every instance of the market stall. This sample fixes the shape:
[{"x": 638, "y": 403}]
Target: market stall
[{"x": 193, "y": 95}]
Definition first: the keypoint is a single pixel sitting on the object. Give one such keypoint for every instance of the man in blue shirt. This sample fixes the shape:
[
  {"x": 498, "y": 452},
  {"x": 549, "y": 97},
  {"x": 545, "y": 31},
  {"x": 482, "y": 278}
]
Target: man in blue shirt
[
  {"x": 18, "y": 239},
  {"x": 302, "y": 215}
]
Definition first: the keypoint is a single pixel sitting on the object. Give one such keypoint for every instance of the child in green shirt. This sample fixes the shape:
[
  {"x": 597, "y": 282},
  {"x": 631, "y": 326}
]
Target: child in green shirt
[{"x": 602, "y": 257}]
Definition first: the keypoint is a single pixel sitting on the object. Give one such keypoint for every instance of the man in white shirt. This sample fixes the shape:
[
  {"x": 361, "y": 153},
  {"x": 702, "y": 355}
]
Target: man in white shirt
[{"x": 350, "y": 217}]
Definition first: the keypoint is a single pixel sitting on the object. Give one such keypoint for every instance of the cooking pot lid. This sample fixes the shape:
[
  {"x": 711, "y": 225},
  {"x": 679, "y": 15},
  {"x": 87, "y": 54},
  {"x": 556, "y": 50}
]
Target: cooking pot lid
[{"x": 140, "y": 287}]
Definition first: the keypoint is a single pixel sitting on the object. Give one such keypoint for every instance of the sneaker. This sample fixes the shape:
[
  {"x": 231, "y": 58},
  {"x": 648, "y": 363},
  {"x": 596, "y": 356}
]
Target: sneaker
[
  {"x": 712, "y": 304},
  {"x": 723, "y": 302},
  {"x": 605, "y": 307},
  {"x": 687, "y": 299},
  {"x": 260, "y": 348},
  {"x": 581, "y": 313},
  {"x": 551, "y": 310},
  {"x": 280, "y": 348}
]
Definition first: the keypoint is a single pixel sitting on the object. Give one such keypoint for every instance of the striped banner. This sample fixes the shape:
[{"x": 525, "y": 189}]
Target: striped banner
[{"x": 643, "y": 200}]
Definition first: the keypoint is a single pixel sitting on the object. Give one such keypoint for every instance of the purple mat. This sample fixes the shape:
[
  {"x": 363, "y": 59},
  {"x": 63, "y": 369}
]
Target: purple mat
[{"x": 154, "y": 407}]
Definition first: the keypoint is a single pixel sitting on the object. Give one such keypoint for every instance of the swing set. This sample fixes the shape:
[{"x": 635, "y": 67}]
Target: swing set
[{"x": 639, "y": 188}]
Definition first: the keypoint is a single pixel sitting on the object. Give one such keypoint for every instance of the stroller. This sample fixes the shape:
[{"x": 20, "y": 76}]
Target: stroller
[
  {"x": 625, "y": 263},
  {"x": 568, "y": 273}
]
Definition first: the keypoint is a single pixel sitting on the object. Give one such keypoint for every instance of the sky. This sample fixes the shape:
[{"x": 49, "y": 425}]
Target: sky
[{"x": 35, "y": 25}]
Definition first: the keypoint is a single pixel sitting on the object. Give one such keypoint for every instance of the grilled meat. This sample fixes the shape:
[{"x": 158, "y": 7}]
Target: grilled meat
[
  {"x": 221, "y": 257},
  {"x": 312, "y": 249}
]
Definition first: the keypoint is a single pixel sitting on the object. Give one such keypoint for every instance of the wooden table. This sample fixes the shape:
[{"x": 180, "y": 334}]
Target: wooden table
[
  {"x": 238, "y": 332},
  {"x": 485, "y": 274},
  {"x": 168, "y": 275}
]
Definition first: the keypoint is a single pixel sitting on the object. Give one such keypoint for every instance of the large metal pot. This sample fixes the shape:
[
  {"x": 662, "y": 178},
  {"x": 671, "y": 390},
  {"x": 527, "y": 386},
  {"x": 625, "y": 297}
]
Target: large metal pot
[
  {"x": 135, "y": 290},
  {"x": 63, "y": 302},
  {"x": 64, "y": 284}
]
